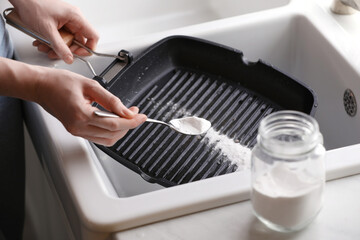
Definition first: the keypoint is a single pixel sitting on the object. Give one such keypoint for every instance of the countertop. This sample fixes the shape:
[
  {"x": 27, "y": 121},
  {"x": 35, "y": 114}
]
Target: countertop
[{"x": 339, "y": 219}]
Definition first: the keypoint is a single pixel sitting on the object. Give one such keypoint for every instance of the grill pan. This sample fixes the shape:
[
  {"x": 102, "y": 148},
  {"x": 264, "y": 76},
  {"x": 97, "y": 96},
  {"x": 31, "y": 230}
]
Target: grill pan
[{"x": 180, "y": 76}]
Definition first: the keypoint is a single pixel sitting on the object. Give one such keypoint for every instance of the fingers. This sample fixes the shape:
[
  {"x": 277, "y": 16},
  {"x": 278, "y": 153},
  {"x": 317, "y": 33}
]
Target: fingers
[
  {"x": 106, "y": 141},
  {"x": 79, "y": 50},
  {"x": 45, "y": 49},
  {"x": 103, "y": 141},
  {"x": 134, "y": 109},
  {"x": 83, "y": 33},
  {"x": 59, "y": 46},
  {"x": 86, "y": 34},
  {"x": 109, "y": 101},
  {"x": 117, "y": 124},
  {"x": 115, "y": 105},
  {"x": 84, "y": 123},
  {"x": 103, "y": 130},
  {"x": 74, "y": 48},
  {"x": 58, "y": 49},
  {"x": 107, "y": 131}
]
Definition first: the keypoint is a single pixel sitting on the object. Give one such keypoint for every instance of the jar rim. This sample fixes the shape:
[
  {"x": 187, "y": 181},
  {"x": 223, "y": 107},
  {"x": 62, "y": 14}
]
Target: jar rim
[{"x": 289, "y": 132}]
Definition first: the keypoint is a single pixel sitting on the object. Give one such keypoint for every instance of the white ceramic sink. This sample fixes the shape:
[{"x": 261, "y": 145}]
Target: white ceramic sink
[
  {"x": 293, "y": 44},
  {"x": 122, "y": 19},
  {"x": 300, "y": 38}
]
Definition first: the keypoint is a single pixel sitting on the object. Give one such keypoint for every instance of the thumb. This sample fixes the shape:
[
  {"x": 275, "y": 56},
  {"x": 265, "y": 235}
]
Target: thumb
[{"x": 59, "y": 46}]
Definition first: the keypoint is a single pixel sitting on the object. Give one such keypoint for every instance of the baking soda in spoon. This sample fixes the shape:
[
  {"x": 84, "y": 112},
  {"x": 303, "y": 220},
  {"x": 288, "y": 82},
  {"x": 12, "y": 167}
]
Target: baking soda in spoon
[{"x": 191, "y": 125}]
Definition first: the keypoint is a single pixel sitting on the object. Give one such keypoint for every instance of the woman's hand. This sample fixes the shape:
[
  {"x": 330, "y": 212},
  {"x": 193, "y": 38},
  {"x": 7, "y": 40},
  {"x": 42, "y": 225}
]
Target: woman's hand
[
  {"x": 68, "y": 97},
  {"x": 65, "y": 95},
  {"x": 47, "y": 17}
]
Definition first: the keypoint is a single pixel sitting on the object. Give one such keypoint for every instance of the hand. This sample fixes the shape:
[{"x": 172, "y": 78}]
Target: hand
[
  {"x": 68, "y": 97},
  {"x": 47, "y": 17}
]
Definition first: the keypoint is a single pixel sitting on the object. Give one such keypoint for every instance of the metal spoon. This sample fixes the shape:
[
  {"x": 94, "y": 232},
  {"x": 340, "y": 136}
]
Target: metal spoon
[{"x": 187, "y": 125}]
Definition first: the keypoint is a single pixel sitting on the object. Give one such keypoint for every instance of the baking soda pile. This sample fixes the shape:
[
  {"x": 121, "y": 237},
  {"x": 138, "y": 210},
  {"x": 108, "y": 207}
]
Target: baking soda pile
[{"x": 235, "y": 152}]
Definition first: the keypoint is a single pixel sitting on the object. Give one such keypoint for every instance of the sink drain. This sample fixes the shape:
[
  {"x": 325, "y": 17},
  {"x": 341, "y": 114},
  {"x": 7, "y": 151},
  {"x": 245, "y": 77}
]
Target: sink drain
[{"x": 350, "y": 102}]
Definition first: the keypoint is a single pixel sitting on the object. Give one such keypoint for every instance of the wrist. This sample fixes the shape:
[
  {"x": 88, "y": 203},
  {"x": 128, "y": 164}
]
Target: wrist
[{"x": 19, "y": 80}]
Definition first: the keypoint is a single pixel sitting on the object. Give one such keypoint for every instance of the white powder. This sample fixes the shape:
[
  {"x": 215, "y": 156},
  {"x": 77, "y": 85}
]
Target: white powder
[
  {"x": 191, "y": 125},
  {"x": 168, "y": 109},
  {"x": 287, "y": 198},
  {"x": 235, "y": 152}
]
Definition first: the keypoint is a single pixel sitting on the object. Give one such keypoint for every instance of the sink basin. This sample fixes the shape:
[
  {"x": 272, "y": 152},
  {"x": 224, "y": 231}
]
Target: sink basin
[
  {"x": 127, "y": 19},
  {"x": 289, "y": 42},
  {"x": 299, "y": 38},
  {"x": 298, "y": 48}
]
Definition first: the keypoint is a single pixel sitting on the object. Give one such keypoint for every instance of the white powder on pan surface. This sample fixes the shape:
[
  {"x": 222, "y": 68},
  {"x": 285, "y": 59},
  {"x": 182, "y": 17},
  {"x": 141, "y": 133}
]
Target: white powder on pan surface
[{"x": 235, "y": 152}]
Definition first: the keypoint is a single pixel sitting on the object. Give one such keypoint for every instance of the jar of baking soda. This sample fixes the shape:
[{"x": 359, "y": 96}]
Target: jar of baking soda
[{"x": 287, "y": 171}]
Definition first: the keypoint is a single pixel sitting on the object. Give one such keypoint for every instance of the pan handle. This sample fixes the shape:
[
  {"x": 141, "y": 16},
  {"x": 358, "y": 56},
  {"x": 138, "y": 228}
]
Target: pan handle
[
  {"x": 14, "y": 20},
  {"x": 124, "y": 57}
]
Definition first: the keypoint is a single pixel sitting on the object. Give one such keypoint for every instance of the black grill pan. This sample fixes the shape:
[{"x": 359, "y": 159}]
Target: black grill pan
[{"x": 180, "y": 76}]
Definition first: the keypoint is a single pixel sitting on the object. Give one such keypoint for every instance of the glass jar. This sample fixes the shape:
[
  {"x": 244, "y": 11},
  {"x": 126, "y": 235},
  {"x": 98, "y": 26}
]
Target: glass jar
[{"x": 287, "y": 171}]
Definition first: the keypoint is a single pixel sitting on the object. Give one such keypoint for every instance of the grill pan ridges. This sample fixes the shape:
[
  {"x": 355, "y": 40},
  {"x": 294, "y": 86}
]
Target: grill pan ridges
[{"x": 165, "y": 84}]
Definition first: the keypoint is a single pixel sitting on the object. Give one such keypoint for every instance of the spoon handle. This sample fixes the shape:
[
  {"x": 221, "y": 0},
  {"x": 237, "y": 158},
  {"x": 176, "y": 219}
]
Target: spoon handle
[
  {"x": 155, "y": 121},
  {"x": 105, "y": 114},
  {"x": 109, "y": 114}
]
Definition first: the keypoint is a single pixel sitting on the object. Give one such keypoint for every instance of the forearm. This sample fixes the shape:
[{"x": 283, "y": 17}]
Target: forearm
[{"x": 18, "y": 79}]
